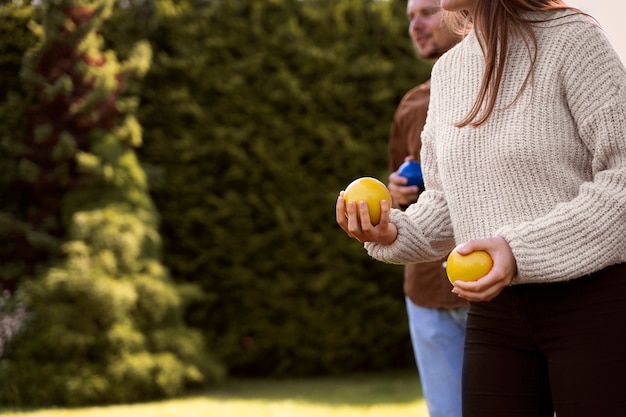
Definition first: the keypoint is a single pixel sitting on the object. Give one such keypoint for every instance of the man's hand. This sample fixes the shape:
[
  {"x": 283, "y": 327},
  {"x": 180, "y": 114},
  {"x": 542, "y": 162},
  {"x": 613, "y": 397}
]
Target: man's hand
[{"x": 402, "y": 194}]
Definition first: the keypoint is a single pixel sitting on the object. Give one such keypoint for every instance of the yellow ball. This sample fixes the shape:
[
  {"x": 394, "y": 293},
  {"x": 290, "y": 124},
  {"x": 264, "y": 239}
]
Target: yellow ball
[
  {"x": 469, "y": 267},
  {"x": 370, "y": 190}
]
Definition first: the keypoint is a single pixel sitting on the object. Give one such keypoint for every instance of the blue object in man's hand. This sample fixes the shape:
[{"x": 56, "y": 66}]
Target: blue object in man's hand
[{"x": 412, "y": 170}]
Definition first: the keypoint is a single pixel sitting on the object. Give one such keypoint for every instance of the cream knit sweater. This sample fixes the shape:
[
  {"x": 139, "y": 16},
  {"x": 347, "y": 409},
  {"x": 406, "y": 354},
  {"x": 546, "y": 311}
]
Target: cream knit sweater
[{"x": 547, "y": 172}]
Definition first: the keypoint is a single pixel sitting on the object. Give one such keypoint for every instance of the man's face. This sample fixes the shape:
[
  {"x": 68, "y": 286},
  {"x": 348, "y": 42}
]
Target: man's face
[{"x": 429, "y": 37}]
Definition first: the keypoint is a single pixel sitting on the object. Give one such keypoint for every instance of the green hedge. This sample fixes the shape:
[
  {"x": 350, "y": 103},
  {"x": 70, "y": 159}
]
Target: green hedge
[
  {"x": 104, "y": 321},
  {"x": 256, "y": 114}
]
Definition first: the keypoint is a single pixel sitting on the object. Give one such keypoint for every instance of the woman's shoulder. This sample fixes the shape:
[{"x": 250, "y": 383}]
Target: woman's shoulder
[
  {"x": 467, "y": 46},
  {"x": 572, "y": 33},
  {"x": 565, "y": 23},
  {"x": 465, "y": 56},
  {"x": 567, "y": 36}
]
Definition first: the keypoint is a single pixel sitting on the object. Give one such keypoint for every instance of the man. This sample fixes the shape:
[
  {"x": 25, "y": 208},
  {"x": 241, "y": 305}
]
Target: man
[{"x": 436, "y": 316}]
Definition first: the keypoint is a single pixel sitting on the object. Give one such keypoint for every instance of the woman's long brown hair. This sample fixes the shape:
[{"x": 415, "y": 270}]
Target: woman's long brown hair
[{"x": 496, "y": 22}]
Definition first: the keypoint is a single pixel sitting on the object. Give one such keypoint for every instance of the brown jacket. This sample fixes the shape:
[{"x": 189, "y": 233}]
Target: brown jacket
[{"x": 426, "y": 284}]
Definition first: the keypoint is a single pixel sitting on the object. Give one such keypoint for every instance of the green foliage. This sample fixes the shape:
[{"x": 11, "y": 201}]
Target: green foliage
[
  {"x": 256, "y": 114},
  {"x": 104, "y": 321},
  {"x": 14, "y": 40}
]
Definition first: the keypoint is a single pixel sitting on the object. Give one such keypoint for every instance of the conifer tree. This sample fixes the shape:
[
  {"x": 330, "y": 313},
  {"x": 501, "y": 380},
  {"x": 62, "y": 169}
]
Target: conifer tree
[
  {"x": 103, "y": 320},
  {"x": 257, "y": 114}
]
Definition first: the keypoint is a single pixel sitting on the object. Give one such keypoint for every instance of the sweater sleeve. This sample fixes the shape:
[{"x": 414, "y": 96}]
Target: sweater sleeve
[
  {"x": 425, "y": 230},
  {"x": 588, "y": 232}
]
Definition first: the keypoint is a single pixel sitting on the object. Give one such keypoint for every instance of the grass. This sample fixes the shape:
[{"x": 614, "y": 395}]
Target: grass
[{"x": 394, "y": 394}]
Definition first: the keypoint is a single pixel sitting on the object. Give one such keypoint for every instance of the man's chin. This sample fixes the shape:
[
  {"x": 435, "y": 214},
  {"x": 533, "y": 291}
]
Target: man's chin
[{"x": 429, "y": 54}]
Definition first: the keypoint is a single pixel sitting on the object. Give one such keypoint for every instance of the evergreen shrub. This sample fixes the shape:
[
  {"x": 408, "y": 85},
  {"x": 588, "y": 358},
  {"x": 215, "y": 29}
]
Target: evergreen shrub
[
  {"x": 104, "y": 321},
  {"x": 256, "y": 115}
]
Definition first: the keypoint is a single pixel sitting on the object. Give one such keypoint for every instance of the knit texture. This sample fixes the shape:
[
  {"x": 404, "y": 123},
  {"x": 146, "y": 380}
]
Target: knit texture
[{"x": 547, "y": 172}]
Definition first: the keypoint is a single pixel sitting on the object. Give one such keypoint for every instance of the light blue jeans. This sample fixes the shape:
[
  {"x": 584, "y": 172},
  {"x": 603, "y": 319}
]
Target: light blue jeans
[{"x": 438, "y": 336}]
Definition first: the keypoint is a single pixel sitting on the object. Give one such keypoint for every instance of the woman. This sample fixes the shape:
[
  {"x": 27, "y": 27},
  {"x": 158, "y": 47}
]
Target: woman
[{"x": 524, "y": 156}]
